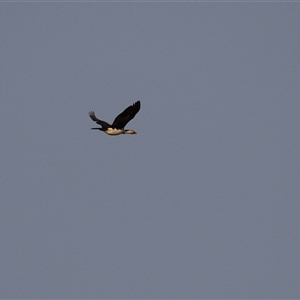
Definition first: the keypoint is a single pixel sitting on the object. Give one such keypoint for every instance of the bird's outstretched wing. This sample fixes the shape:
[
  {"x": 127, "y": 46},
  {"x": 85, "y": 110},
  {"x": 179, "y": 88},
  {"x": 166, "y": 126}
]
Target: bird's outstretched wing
[
  {"x": 98, "y": 121},
  {"x": 128, "y": 114}
]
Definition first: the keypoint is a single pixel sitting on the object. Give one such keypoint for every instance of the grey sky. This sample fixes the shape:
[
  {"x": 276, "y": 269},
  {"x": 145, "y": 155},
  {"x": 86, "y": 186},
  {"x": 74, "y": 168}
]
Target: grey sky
[{"x": 202, "y": 203}]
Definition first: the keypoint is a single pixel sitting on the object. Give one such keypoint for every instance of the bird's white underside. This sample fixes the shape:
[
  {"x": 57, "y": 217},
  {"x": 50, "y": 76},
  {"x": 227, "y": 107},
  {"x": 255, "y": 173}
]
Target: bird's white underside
[{"x": 115, "y": 131}]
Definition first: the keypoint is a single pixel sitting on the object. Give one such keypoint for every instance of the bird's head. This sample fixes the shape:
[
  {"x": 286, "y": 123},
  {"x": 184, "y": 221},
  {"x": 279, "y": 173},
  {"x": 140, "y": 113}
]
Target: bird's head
[{"x": 130, "y": 131}]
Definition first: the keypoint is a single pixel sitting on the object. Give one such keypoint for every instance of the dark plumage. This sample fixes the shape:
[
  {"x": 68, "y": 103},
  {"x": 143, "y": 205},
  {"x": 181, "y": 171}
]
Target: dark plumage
[{"x": 120, "y": 121}]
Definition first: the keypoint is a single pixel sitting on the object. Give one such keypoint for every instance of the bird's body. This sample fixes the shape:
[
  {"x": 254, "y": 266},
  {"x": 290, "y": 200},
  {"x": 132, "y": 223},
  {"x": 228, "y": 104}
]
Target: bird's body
[{"x": 117, "y": 127}]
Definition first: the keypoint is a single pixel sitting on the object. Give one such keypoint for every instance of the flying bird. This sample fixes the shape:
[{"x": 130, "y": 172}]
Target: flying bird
[{"x": 117, "y": 127}]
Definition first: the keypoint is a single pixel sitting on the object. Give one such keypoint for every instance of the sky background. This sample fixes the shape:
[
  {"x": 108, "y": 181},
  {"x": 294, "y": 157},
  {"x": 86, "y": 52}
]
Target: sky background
[{"x": 202, "y": 203}]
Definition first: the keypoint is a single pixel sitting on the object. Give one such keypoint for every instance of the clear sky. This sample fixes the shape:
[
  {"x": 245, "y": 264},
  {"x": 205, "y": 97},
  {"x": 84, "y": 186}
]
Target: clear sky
[{"x": 203, "y": 202}]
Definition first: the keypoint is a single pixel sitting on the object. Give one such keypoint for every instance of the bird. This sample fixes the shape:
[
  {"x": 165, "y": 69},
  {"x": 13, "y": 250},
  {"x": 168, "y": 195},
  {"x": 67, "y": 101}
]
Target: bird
[{"x": 117, "y": 127}]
